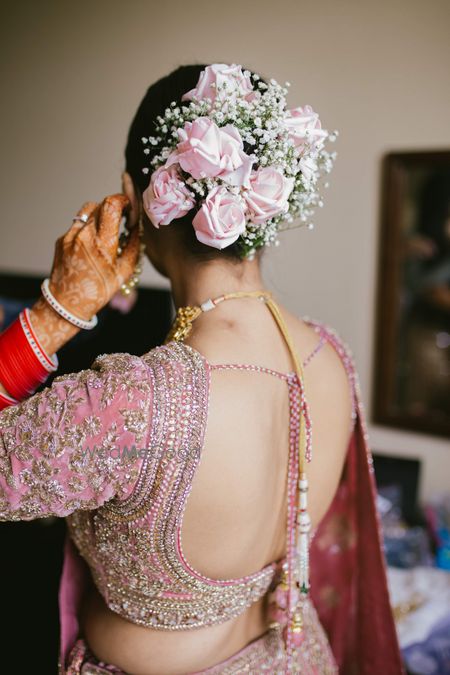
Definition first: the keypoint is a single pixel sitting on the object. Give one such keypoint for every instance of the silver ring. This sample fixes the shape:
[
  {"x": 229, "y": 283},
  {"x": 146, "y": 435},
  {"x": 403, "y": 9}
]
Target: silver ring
[{"x": 84, "y": 218}]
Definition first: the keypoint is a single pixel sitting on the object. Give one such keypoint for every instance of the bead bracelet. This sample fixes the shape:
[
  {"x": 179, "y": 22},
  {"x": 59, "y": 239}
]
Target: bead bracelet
[{"x": 62, "y": 311}]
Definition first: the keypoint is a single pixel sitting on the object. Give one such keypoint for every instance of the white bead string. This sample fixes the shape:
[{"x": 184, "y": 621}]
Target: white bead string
[{"x": 62, "y": 311}]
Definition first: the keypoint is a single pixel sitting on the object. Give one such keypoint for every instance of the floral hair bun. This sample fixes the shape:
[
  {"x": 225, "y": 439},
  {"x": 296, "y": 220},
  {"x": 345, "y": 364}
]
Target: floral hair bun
[{"x": 233, "y": 152}]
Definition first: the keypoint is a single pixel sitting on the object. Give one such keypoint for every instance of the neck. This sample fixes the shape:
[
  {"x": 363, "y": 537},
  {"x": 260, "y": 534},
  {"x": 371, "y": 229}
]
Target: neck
[{"x": 193, "y": 283}]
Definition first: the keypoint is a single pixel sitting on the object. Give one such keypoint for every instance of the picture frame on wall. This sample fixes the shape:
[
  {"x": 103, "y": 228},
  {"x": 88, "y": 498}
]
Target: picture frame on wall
[{"x": 412, "y": 355}]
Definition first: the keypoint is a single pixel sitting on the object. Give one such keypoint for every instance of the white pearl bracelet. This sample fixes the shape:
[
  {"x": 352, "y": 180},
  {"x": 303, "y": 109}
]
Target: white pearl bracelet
[{"x": 75, "y": 320}]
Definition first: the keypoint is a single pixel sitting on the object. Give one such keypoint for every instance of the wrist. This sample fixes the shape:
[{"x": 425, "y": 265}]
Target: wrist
[
  {"x": 24, "y": 363},
  {"x": 52, "y": 330},
  {"x": 64, "y": 311}
]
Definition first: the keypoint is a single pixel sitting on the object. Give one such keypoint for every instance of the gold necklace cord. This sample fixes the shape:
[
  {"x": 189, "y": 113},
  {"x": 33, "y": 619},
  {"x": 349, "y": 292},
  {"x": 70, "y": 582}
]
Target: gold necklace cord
[
  {"x": 241, "y": 294},
  {"x": 297, "y": 365},
  {"x": 300, "y": 374},
  {"x": 183, "y": 324}
]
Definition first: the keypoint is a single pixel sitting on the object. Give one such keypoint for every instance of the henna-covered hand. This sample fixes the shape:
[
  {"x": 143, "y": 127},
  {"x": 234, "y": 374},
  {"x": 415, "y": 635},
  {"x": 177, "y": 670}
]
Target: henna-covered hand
[{"x": 86, "y": 270}]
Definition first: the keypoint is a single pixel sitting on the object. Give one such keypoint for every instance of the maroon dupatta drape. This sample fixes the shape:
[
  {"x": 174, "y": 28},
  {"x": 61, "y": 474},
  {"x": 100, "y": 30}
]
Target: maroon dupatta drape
[{"x": 348, "y": 573}]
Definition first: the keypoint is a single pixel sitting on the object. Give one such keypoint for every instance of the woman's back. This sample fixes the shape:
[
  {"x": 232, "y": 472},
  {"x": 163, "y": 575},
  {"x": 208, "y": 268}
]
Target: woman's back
[
  {"x": 235, "y": 518},
  {"x": 234, "y": 523}
]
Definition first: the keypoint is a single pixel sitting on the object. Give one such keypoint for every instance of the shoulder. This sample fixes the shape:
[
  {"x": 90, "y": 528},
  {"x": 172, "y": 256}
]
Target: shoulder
[
  {"x": 177, "y": 359},
  {"x": 118, "y": 380},
  {"x": 339, "y": 344},
  {"x": 334, "y": 338},
  {"x": 116, "y": 375},
  {"x": 340, "y": 363},
  {"x": 164, "y": 366},
  {"x": 121, "y": 366}
]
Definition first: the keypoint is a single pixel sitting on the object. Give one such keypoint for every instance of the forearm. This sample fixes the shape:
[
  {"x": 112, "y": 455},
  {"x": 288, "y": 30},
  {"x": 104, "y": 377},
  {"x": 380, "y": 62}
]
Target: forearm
[
  {"x": 87, "y": 270},
  {"x": 52, "y": 331}
]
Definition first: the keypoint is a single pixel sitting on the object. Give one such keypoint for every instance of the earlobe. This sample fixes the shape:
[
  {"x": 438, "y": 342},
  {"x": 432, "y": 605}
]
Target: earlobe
[{"x": 129, "y": 190}]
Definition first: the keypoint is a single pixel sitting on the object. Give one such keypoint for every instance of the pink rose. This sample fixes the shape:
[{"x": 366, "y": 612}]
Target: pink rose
[
  {"x": 268, "y": 193},
  {"x": 205, "y": 150},
  {"x": 219, "y": 75},
  {"x": 305, "y": 127},
  {"x": 220, "y": 220},
  {"x": 167, "y": 197}
]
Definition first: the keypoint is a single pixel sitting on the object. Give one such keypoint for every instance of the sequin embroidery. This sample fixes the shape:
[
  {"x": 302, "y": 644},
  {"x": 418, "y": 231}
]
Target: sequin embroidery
[{"x": 125, "y": 516}]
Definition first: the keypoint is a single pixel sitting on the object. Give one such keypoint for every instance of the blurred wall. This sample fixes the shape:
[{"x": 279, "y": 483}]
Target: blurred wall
[{"x": 74, "y": 72}]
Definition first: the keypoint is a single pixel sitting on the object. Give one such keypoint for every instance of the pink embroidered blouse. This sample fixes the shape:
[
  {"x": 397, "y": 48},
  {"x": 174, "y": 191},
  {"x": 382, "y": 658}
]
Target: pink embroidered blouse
[{"x": 114, "y": 450}]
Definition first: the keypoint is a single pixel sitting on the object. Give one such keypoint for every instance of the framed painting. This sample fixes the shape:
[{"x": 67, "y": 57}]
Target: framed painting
[{"x": 412, "y": 356}]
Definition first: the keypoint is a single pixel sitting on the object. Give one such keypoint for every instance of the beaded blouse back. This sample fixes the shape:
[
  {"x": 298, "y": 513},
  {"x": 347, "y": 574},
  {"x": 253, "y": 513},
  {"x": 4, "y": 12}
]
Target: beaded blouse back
[
  {"x": 133, "y": 545},
  {"x": 125, "y": 519}
]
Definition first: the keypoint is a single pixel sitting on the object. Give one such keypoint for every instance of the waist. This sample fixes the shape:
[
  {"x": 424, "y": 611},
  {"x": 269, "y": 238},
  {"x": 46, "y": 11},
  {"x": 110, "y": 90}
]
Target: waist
[{"x": 132, "y": 648}]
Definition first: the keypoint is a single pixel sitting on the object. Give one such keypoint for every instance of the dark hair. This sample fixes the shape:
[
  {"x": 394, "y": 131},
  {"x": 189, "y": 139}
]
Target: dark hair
[{"x": 159, "y": 97}]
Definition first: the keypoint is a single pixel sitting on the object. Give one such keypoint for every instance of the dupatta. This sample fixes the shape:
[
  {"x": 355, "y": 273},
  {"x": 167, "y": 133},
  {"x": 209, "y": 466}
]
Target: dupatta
[{"x": 347, "y": 564}]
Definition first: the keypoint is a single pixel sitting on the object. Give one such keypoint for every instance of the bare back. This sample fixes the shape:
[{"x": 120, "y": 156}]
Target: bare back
[{"x": 235, "y": 518}]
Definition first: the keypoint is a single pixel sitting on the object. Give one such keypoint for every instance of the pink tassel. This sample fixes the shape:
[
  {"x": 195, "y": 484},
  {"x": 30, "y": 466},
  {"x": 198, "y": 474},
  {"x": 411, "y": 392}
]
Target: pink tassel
[
  {"x": 277, "y": 614},
  {"x": 281, "y": 596}
]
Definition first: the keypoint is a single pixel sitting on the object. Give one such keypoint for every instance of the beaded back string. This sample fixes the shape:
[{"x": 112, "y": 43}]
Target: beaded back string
[
  {"x": 180, "y": 329},
  {"x": 302, "y": 523}
]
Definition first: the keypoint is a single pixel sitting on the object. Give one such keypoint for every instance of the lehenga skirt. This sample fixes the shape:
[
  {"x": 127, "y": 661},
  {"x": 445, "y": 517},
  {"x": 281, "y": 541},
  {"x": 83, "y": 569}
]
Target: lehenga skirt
[{"x": 264, "y": 654}]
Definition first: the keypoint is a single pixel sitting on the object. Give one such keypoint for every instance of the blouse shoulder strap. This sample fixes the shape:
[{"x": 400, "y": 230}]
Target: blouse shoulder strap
[{"x": 345, "y": 354}]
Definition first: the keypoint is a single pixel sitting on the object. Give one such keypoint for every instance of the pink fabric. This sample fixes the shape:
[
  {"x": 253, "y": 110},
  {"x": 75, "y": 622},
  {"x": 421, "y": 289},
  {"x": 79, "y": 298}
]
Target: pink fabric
[
  {"x": 73, "y": 584},
  {"x": 62, "y": 450},
  {"x": 264, "y": 654}
]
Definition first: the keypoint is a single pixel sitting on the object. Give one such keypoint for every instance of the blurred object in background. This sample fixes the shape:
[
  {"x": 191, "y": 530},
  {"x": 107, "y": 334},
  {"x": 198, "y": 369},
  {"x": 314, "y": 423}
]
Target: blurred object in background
[
  {"x": 438, "y": 518},
  {"x": 405, "y": 545},
  {"x": 124, "y": 303},
  {"x": 406, "y": 538},
  {"x": 421, "y": 601},
  {"x": 416, "y": 545},
  {"x": 10, "y": 309}
]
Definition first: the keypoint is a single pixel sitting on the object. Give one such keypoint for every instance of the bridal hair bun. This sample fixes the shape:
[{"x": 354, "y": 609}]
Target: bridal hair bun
[{"x": 232, "y": 151}]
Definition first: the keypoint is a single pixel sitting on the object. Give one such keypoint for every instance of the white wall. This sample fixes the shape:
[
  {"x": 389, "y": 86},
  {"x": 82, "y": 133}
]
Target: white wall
[{"x": 73, "y": 74}]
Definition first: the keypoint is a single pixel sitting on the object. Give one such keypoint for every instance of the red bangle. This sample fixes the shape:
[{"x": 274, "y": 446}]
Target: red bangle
[
  {"x": 24, "y": 364},
  {"x": 49, "y": 363},
  {"x": 6, "y": 401}
]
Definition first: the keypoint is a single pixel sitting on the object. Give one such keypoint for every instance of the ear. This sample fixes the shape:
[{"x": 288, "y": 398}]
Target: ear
[{"x": 129, "y": 190}]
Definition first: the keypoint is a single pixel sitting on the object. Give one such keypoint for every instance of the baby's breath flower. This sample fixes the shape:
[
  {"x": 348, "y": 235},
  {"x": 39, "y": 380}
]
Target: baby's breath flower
[{"x": 261, "y": 123}]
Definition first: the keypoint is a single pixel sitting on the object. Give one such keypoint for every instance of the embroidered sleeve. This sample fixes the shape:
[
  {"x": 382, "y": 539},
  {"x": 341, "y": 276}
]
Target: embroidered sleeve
[{"x": 78, "y": 443}]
